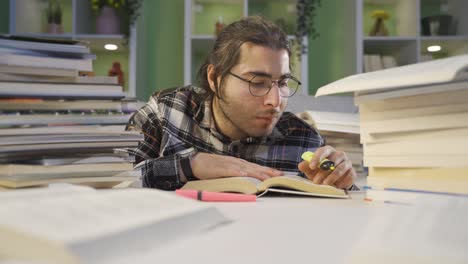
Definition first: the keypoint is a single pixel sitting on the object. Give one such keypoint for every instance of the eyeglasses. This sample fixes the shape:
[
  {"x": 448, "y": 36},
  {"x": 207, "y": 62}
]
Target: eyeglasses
[{"x": 260, "y": 85}]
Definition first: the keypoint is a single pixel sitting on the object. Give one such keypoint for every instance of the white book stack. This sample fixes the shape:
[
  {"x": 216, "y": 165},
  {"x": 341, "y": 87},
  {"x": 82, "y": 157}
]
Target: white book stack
[
  {"x": 341, "y": 131},
  {"x": 57, "y": 126},
  {"x": 36, "y": 67},
  {"x": 414, "y": 125}
]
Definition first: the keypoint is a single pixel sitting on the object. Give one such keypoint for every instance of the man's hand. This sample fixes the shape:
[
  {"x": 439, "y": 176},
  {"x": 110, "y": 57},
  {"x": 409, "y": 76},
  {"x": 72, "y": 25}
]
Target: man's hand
[
  {"x": 343, "y": 176},
  {"x": 210, "y": 166}
]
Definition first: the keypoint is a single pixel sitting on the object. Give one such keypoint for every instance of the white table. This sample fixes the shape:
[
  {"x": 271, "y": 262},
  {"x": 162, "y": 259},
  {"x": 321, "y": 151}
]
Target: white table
[
  {"x": 274, "y": 230},
  {"x": 320, "y": 230}
]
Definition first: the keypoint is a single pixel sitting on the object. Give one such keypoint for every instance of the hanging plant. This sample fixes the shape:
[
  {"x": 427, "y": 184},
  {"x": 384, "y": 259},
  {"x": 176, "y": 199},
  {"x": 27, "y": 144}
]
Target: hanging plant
[{"x": 305, "y": 13}]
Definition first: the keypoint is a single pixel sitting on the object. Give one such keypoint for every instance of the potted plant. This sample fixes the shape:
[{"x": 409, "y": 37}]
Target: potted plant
[
  {"x": 54, "y": 17},
  {"x": 305, "y": 13},
  {"x": 111, "y": 12},
  {"x": 379, "y": 28}
]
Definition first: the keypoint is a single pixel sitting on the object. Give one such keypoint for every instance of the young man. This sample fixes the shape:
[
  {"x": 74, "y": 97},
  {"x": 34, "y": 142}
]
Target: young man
[{"x": 234, "y": 124}]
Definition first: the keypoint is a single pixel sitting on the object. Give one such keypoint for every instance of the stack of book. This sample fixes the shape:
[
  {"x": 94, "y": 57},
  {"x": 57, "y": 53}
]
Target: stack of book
[
  {"x": 57, "y": 126},
  {"x": 414, "y": 125},
  {"x": 341, "y": 131}
]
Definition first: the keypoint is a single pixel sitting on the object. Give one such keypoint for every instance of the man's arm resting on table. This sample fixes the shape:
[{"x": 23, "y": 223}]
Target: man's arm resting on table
[{"x": 168, "y": 173}]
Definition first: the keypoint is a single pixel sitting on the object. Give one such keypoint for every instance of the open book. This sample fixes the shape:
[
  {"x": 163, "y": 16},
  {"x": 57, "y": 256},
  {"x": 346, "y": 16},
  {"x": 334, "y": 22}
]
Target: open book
[
  {"x": 71, "y": 224},
  {"x": 292, "y": 184}
]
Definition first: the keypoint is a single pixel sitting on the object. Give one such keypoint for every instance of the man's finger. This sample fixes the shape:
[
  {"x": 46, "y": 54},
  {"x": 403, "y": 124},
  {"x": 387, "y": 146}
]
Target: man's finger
[
  {"x": 304, "y": 167},
  {"x": 346, "y": 181},
  {"x": 340, "y": 171},
  {"x": 321, "y": 154},
  {"x": 337, "y": 157},
  {"x": 320, "y": 176}
]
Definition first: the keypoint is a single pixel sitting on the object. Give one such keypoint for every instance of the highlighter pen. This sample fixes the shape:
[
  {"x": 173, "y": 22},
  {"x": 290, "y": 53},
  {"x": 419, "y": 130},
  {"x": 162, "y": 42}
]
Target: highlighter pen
[
  {"x": 325, "y": 164},
  {"x": 216, "y": 196}
]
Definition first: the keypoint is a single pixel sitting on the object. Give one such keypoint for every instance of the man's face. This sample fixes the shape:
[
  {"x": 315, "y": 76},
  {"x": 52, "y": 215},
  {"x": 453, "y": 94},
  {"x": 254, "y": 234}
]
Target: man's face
[{"x": 238, "y": 113}]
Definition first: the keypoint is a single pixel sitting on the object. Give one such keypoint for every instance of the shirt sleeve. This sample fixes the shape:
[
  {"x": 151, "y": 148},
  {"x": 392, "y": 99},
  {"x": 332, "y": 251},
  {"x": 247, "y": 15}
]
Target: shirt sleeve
[{"x": 161, "y": 172}]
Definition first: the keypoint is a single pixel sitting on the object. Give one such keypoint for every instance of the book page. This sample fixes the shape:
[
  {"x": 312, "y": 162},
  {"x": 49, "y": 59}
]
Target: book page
[
  {"x": 250, "y": 179},
  {"x": 86, "y": 216},
  {"x": 287, "y": 191},
  {"x": 247, "y": 185},
  {"x": 301, "y": 184}
]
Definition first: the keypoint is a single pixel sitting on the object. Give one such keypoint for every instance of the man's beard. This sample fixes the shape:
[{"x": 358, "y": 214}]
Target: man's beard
[{"x": 227, "y": 110}]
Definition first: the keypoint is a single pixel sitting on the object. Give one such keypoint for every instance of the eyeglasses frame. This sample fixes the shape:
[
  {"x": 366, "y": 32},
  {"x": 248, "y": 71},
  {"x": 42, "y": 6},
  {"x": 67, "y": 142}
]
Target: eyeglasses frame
[{"x": 272, "y": 81}]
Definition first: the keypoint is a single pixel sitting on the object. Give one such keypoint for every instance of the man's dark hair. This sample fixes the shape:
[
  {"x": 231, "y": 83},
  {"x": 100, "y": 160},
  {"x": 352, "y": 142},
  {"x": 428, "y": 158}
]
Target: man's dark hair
[{"x": 226, "y": 50}]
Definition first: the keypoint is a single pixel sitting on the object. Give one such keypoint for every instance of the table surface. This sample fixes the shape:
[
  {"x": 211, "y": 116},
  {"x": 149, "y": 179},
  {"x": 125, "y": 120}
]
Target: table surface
[{"x": 275, "y": 230}]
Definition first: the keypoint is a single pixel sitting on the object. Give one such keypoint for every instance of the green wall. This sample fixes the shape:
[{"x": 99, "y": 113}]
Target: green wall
[
  {"x": 160, "y": 46},
  {"x": 328, "y": 51},
  {"x": 4, "y": 16}
]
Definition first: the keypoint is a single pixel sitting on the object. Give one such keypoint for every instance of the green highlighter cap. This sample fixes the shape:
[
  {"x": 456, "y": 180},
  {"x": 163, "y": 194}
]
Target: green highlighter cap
[{"x": 307, "y": 156}]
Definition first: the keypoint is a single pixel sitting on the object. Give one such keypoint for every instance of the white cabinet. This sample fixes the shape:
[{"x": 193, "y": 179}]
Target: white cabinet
[
  {"x": 29, "y": 18},
  {"x": 201, "y": 17}
]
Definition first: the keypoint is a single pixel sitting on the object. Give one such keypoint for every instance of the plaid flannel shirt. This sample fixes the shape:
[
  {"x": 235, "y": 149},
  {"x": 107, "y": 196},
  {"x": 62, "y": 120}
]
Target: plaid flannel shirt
[{"x": 178, "y": 123}]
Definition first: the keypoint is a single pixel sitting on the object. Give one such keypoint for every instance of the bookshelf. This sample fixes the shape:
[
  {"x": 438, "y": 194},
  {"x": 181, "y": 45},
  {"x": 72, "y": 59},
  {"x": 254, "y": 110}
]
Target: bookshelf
[
  {"x": 201, "y": 17},
  {"x": 28, "y": 18},
  {"x": 409, "y": 37}
]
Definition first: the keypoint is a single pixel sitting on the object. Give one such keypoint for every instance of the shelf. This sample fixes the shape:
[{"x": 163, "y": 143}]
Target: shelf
[
  {"x": 100, "y": 36},
  {"x": 97, "y": 44},
  {"x": 445, "y": 38},
  {"x": 203, "y": 37},
  {"x": 46, "y": 35},
  {"x": 212, "y": 37},
  {"x": 385, "y": 46},
  {"x": 389, "y": 39},
  {"x": 404, "y": 52}
]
